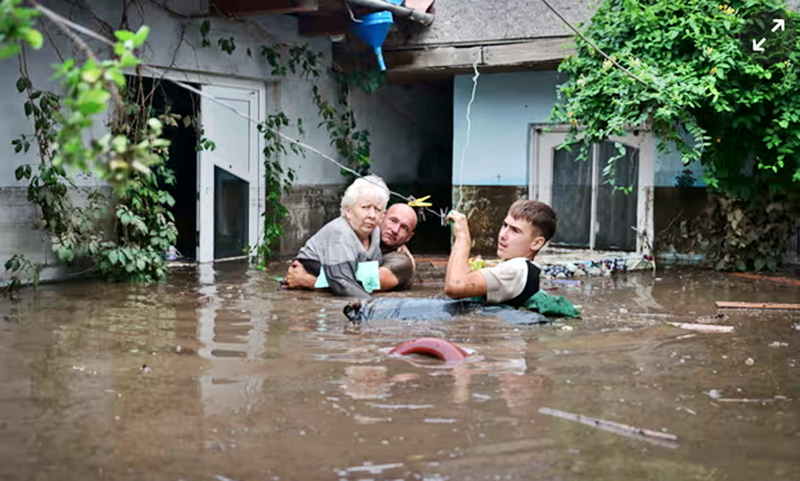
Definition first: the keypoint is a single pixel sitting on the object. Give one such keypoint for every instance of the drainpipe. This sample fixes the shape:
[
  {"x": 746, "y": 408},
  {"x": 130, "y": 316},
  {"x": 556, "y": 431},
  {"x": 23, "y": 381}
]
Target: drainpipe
[{"x": 399, "y": 11}]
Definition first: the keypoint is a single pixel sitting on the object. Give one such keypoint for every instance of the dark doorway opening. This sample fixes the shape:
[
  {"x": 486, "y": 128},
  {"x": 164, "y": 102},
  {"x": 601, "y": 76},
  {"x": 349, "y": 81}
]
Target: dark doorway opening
[{"x": 169, "y": 98}]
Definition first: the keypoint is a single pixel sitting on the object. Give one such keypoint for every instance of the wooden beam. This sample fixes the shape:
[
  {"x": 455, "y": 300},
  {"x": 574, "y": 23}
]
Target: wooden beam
[
  {"x": 534, "y": 52},
  {"x": 537, "y": 51},
  {"x": 265, "y": 7},
  {"x": 435, "y": 58},
  {"x": 323, "y": 25},
  {"x": 756, "y": 305},
  {"x": 761, "y": 277}
]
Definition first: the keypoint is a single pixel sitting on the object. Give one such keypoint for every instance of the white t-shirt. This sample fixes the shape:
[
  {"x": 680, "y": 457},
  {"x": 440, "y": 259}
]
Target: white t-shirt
[{"x": 506, "y": 280}]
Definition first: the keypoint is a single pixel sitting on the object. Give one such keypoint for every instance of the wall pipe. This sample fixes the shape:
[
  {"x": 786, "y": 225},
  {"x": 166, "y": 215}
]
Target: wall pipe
[{"x": 399, "y": 11}]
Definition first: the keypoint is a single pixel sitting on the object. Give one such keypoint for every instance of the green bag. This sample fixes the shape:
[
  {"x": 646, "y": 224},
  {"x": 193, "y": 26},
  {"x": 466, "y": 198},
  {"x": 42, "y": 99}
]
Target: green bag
[{"x": 552, "y": 305}]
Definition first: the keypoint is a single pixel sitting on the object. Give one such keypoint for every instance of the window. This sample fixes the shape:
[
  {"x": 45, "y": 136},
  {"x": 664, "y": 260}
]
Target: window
[{"x": 591, "y": 212}]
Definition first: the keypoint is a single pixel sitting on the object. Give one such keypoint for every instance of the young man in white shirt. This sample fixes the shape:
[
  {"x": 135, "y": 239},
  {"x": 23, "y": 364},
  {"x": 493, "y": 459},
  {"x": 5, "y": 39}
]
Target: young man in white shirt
[{"x": 527, "y": 227}]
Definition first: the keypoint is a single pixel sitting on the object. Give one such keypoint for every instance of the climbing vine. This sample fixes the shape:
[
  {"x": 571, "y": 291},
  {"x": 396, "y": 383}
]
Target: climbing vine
[
  {"x": 352, "y": 145},
  {"x": 691, "y": 82},
  {"x": 132, "y": 156}
]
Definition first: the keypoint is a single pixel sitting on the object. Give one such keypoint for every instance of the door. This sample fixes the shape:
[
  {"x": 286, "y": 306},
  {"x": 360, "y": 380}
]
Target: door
[
  {"x": 228, "y": 177},
  {"x": 591, "y": 212}
]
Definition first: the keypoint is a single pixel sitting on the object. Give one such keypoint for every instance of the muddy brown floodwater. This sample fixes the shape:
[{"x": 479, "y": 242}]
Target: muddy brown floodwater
[{"x": 217, "y": 375}]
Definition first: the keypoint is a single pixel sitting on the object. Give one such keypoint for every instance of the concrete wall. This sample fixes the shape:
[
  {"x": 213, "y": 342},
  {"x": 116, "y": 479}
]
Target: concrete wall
[{"x": 470, "y": 22}]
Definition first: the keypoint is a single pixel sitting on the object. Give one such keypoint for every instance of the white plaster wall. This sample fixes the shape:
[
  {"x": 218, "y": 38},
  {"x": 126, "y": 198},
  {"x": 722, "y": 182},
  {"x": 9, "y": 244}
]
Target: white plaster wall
[
  {"x": 505, "y": 106},
  {"x": 164, "y": 48}
]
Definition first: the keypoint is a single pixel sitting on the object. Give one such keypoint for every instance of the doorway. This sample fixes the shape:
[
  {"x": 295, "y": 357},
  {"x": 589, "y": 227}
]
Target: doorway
[{"x": 170, "y": 98}]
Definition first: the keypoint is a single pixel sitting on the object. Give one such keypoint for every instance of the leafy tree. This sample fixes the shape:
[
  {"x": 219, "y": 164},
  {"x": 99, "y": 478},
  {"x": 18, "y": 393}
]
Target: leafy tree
[{"x": 695, "y": 83}]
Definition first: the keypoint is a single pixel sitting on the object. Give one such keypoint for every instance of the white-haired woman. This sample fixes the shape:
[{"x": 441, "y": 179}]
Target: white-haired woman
[{"x": 354, "y": 237}]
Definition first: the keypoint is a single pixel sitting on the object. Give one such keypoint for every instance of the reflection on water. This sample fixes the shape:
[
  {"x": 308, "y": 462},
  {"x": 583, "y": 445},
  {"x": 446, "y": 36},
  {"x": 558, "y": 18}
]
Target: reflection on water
[{"x": 219, "y": 375}]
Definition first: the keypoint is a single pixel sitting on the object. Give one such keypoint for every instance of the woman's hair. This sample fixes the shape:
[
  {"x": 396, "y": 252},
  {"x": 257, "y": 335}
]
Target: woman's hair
[{"x": 369, "y": 185}]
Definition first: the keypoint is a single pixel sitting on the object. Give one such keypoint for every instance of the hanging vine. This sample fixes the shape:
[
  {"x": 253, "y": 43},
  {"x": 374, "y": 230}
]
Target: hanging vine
[{"x": 131, "y": 157}]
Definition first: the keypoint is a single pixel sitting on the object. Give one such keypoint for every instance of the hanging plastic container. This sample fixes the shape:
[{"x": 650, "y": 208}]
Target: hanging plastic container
[{"x": 372, "y": 29}]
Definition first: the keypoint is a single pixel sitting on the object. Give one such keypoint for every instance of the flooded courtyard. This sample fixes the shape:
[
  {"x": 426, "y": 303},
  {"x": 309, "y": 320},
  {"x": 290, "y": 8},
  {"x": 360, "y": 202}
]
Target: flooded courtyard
[{"x": 219, "y": 375}]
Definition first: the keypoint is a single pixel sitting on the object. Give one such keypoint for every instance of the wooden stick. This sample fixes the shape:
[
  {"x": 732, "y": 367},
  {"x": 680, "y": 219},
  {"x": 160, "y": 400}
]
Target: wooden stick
[
  {"x": 702, "y": 327},
  {"x": 655, "y": 437},
  {"x": 756, "y": 305},
  {"x": 760, "y": 277}
]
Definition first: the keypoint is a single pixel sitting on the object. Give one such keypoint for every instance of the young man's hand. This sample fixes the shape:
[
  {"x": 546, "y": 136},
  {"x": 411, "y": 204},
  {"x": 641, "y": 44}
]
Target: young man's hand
[
  {"x": 460, "y": 227},
  {"x": 298, "y": 278}
]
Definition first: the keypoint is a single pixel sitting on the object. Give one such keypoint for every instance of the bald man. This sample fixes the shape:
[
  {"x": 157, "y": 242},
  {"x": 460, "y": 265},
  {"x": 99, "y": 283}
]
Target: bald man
[{"x": 397, "y": 268}]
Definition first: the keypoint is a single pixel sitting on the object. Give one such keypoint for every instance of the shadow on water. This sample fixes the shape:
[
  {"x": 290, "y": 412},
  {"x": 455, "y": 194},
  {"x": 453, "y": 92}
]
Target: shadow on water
[{"x": 219, "y": 375}]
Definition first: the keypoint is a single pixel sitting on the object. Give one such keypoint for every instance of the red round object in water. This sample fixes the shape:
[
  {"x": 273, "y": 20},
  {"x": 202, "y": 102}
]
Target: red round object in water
[{"x": 431, "y": 346}]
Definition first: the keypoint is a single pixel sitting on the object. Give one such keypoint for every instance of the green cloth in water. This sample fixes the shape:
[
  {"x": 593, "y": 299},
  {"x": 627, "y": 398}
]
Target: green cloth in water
[{"x": 551, "y": 305}]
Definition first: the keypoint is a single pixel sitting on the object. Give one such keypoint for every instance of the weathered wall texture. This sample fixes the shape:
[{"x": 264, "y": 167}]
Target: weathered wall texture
[
  {"x": 310, "y": 208},
  {"x": 486, "y": 207},
  {"x": 469, "y": 22}
]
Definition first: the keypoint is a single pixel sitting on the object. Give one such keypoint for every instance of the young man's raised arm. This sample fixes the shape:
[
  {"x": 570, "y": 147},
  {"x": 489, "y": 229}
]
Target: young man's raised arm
[{"x": 461, "y": 281}]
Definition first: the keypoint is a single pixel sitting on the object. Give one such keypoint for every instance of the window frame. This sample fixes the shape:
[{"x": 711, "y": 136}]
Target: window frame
[{"x": 543, "y": 138}]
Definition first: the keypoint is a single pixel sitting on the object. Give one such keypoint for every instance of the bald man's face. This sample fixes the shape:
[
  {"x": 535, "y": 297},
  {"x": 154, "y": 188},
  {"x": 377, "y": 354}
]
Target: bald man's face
[{"x": 398, "y": 226}]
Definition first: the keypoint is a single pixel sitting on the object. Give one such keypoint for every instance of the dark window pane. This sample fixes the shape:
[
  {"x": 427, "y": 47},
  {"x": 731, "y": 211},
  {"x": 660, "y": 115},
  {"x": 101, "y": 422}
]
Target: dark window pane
[
  {"x": 616, "y": 211},
  {"x": 572, "y": 198},
  {"x": 230, "y": 214}
]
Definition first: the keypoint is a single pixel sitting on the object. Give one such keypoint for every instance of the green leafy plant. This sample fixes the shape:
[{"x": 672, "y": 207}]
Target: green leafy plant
[
  {"x": 352, "y": 145},
  {"x": 20, "y": 267},
  {"x": 278, "y": 182},
  {"x": 698, "y": 91},
  {"x": 16, "y": 24}
]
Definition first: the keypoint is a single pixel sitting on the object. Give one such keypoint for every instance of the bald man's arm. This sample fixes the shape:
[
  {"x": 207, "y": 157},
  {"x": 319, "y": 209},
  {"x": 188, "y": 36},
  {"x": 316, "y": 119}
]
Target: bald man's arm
[{"x": 298, "y": 278}]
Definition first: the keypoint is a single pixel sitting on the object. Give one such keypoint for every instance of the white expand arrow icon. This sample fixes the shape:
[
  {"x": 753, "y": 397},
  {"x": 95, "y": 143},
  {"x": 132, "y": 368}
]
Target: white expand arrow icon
[
  {"x": 757, "y": 46},
  {"x": 779, "y": 24}
]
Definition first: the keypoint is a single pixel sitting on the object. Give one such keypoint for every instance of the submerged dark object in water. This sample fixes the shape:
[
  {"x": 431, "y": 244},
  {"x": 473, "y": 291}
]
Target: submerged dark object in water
[
  {"x": 426, "y": 309},
  {"x": 431, "y": 346}
]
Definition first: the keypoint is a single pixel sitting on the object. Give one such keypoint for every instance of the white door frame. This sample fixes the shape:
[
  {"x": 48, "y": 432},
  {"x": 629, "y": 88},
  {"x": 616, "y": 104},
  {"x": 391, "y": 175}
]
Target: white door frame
[
  {"x": 540, "y": 182},
  {"x": 205, "y": 224}
]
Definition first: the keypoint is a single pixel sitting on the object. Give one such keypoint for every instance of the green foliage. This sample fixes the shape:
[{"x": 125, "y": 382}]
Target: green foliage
[
  {"x": 278, "y": 182},
  {"x": 205, "y": 28},
  {"x": 227, "y": 45},
  {"x": 16, "y": 24},
  {"x": 20, "y": 266},
  {"x": 352, "y": 145},
  {"x": 143, "y": 226},
  {"x": 89, "y": 87},
  {"x": 302, "y": 60},
  {"x": 701, "y": 93}
]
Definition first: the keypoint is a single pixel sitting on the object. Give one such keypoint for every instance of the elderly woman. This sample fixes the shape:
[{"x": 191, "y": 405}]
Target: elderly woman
[{"x": 353, "y": 238}]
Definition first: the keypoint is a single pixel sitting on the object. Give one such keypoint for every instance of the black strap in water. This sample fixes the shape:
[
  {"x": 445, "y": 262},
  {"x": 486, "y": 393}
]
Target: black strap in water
[{"x": 531, "y": 287}]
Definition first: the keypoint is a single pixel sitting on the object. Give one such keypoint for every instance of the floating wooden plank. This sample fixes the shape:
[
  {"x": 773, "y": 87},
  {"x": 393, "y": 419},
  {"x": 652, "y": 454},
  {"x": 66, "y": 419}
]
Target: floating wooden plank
[
  {"x": 761, "y": 277},
  {"x": 756, "y": 305},
  {"x": 702, "y": 327}
]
